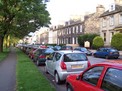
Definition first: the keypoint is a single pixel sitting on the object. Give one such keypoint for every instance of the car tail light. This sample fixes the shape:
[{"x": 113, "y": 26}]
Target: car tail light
[
  {"x": 89, "y": 64},
  {"x": 63, "y": 65},
  {"x": 42, "y": 56}
]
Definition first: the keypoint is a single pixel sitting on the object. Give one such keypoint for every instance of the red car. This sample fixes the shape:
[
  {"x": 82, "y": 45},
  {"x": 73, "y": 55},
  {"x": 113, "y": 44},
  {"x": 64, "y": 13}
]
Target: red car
[{"x": 105, "y": 76}]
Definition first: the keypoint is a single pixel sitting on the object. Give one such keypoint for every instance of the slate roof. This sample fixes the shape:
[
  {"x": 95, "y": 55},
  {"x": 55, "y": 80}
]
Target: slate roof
[{"x": 118, "y": 8}]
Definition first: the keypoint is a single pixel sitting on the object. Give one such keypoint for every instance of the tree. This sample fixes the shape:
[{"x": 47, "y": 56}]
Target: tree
[
  {"x": 19, "y": 17},
  {"x": 116, "y": 41},
  {"x": 98, "y": 42}
]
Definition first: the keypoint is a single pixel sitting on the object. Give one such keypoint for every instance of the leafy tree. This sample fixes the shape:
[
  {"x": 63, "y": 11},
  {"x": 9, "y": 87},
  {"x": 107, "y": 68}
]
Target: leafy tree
[
  {"x": 81, "y": 40},
  {"x": 19, "y": 17},
  {"x": 98, "y": 42},
  {"x": 116, "y": 41}
]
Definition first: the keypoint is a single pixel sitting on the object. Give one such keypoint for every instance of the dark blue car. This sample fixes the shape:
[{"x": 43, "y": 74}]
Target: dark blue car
[{"x": 107, "y": 53}]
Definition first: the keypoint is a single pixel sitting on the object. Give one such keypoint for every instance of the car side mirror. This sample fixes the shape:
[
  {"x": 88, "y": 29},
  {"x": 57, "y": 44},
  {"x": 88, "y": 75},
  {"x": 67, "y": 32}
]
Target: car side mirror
[
  {"x": 78, "y": 77},
  {"x": 48, "y": 58}
]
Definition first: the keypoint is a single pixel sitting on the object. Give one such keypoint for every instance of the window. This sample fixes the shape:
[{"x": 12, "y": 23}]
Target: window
[
  {"x": 104, "y": 22},
  {"x": 80, "y": 28},
  {"x": 112, "y": 20},
  {"x": 70, "y": 30},
  {"x": 57, "y": 56},
  {"x": 92, "y": 76},
  {"x": 120, "y": 19},
  {"x": 73, "y": 57},
  {"x": 76, "y": 29},
  {"x": 111, "y": 34},
  {"x": 104, "y": 37},
  {"x": 112, "y": 80}
]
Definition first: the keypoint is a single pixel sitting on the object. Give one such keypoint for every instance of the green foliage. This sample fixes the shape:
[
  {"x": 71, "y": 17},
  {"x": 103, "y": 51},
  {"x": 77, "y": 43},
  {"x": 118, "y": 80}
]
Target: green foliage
[
  {"x": 98, "y": 42},
  {"x": 20, "y": 17},
  {"x": 116, "y": 41},
  {"x": 29, "y": 78},
  {"x": 86, "y": 37}
]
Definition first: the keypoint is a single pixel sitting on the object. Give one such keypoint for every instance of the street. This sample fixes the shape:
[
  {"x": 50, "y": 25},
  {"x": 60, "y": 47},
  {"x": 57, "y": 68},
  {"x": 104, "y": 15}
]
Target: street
[{"x": 62, "y": 87}]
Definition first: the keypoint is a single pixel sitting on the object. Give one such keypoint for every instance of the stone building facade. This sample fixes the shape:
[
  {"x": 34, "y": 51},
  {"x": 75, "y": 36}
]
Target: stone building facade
[
  {"x": 111, "y": 22},
  {"x": 92, "y": 21},
  {"x": 68, "y": 34}
]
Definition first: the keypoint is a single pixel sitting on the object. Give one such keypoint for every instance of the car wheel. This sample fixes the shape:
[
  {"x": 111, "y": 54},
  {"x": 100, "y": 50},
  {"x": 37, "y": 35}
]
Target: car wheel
[
  {"x": 69, "y": 88},
  {"x": 116, "y": 57},
  {"x": 37, "y": 62},
  {"x": 106, "y": 56},
  {"x": 57, "y": 79},
  {"x": 46, "y": 70},
  {"x": 95, "y": 55}
]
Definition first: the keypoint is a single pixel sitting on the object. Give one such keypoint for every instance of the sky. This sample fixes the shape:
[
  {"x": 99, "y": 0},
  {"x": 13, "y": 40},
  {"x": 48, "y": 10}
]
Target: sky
[{"x": 62, "y": 10}]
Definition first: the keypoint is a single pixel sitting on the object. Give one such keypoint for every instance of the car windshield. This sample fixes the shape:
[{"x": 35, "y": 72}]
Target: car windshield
[
  {"x": 84, "y": 49},
  {"x": 71, "y": 57},
  {"x": 49, "y": 50}
]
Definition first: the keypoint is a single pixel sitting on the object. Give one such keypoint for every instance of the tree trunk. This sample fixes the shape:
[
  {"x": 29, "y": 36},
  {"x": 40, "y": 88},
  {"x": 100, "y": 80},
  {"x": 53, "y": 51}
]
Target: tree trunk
[{"x": 1, "y": 43}]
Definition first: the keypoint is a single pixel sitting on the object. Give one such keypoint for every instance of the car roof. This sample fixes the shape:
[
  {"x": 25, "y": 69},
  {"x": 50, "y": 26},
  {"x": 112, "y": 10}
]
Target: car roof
[
  {"x": 69, "y": 51},
  {"x": 111, "y": 63},
  {"x": 107, "y": 48}
]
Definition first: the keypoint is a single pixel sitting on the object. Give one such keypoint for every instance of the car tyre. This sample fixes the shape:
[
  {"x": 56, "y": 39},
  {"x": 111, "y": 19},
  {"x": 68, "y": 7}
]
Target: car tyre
[
  {"x": 95, "y": 55},
  {"x": 57, "y": 79},
  {"x": 107, "y": 57},
  {"x": 69, "y": 88},
  {"x": 46, "y": 70},
  {"x": 116, "y": 57},
  {"x": 37, "y": 62}
]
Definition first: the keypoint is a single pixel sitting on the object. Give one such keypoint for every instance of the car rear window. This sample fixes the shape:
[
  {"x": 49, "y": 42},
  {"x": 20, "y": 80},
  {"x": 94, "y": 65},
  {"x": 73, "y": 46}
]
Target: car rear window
[
  {"x": 113, "y": 50},
  {"x": 72, "y": 57}
]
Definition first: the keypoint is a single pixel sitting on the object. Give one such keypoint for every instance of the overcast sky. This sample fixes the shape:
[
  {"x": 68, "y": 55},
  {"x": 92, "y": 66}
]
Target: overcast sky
[{"x": 61, "y": 10}]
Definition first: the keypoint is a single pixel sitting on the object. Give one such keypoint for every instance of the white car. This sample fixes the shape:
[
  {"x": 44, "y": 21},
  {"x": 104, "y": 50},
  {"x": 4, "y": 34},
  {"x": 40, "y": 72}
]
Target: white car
[{"x": 64, "y": 62}]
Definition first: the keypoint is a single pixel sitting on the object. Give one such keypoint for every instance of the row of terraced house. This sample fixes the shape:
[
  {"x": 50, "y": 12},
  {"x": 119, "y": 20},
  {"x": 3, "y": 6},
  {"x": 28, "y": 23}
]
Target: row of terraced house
[{"x": 104, "y": 23}]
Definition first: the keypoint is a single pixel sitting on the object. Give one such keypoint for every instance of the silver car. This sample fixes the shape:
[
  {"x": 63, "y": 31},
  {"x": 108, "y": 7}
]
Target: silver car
[{"x": 64, "y": 62}]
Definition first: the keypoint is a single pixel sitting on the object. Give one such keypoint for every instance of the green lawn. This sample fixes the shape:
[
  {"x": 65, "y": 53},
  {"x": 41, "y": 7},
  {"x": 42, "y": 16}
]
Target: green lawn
[
  {"x": 4, "y": 54},
  {"x": 29, "y": 78}
]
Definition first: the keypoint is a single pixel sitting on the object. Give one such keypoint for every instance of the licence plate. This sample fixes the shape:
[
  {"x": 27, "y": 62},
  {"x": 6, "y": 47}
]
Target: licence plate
[{"x": 77, "y": 66}]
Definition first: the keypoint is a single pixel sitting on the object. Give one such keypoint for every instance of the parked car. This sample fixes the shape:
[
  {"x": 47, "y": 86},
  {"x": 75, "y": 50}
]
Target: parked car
[
  {"x": 85, "y": 50},
  {"x": 107, "y": 53},
  {"x": 41, "y": 54},
  {"x": 66, "y": 48},
  {"x": 105, "y": 76},
  {"x": 57, "y": 47},
  {"x": 31, "y": 53},
  {"x": 64, "y": 62}
]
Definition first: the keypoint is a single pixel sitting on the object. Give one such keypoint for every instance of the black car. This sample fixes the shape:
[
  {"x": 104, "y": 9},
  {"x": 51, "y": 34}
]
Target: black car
[
  {"x": 85, "y": 50},
  {"x": 41, "y": 54}
]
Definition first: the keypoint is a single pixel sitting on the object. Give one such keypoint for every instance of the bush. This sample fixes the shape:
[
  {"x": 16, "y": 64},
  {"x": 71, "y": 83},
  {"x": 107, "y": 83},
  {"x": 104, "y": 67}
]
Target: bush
[
  {"x": 98, "y": 42},
  {"x": 86, "y": 37},
  {"x": 116, "y": 41}
]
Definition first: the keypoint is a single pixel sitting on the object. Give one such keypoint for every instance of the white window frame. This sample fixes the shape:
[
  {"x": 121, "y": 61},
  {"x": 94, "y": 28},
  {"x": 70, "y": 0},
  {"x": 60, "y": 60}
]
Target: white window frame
[
  {"x": 81, "y": 28},
  {"x": 104, "y": 22},
  {"x": 120, "y": 19},
  {"x": 111, "y": 20}
]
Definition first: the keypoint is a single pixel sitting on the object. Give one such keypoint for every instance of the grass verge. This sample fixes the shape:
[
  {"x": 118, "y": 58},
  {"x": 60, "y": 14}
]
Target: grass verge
[
  {"x": 29, "y": 78},
  {"x": 4, "y": 54}
]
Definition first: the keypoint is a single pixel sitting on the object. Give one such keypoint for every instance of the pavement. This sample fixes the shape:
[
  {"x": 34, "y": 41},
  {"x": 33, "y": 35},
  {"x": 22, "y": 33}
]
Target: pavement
[{"x": 8, "y": 72}]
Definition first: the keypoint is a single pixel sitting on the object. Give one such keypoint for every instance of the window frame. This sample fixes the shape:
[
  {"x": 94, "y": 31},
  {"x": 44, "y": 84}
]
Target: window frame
[
  {"x": 106, "y": 73},
  {"x": 83, "y": 75}
]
